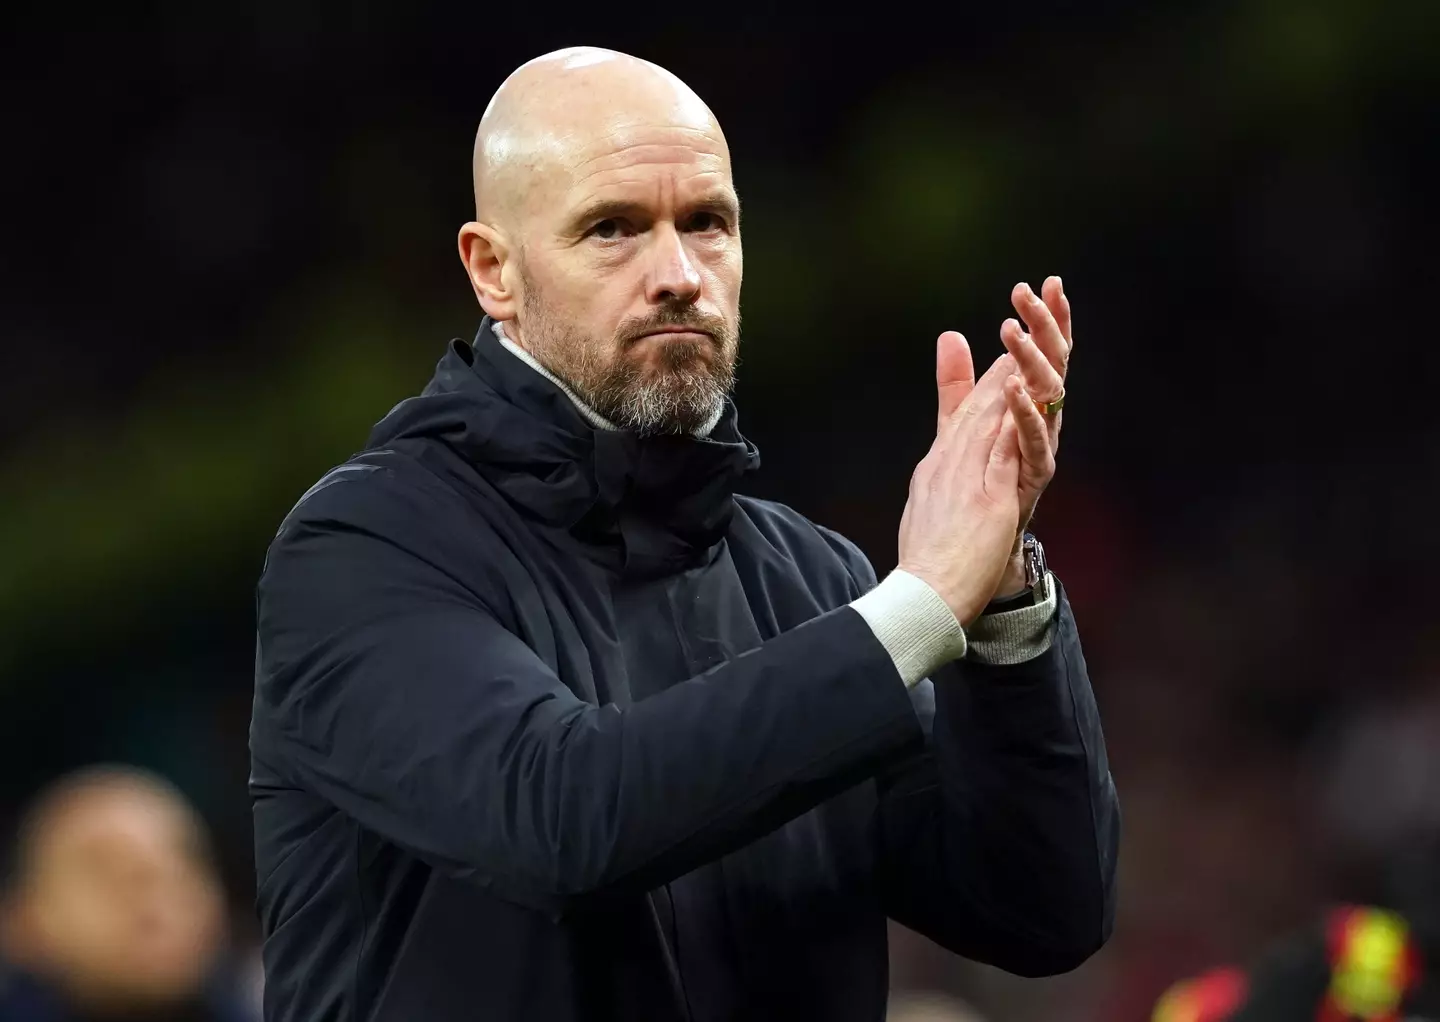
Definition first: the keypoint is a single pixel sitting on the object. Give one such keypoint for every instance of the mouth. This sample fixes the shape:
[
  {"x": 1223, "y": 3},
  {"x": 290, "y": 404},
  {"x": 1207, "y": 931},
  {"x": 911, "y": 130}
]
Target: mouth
[{"x": 677, "y": 333}]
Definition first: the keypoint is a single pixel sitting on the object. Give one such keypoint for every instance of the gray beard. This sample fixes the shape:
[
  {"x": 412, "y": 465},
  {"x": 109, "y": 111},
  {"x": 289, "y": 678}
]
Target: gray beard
[
  {"x": 682, "y": 394},
  {"x": 682, "y": 397}
]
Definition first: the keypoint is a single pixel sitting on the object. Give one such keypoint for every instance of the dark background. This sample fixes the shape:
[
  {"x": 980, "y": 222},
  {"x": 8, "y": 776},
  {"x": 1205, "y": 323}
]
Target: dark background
[{"x": 229, "y": 246}]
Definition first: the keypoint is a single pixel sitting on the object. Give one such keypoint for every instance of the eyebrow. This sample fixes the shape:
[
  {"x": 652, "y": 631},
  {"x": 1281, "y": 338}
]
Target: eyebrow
[{"x": 606, "y": 209}]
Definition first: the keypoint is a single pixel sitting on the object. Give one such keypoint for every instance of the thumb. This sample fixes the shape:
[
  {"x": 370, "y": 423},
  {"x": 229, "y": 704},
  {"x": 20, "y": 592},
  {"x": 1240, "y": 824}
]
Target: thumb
[{"x": 954, "y": 372}]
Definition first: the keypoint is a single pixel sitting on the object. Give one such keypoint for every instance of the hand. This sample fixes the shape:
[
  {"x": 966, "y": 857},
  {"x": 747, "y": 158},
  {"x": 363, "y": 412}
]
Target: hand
[
  {"x": 1043, "y": 356},
  {"x": 964, "y": 505}
]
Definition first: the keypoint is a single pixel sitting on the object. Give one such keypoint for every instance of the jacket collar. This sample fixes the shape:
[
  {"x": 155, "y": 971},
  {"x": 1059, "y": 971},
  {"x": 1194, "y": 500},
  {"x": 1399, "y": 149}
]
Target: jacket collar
[{"x": 664, "y": 501}]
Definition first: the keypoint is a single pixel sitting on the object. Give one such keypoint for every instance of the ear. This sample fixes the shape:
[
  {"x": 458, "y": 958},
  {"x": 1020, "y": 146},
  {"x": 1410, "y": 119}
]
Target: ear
[{"x": 486, "y": 255}]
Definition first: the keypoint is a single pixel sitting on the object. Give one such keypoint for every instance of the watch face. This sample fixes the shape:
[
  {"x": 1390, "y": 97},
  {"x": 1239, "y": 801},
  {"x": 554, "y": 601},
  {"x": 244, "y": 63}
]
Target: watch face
[{"x": 1034, "y": 561}]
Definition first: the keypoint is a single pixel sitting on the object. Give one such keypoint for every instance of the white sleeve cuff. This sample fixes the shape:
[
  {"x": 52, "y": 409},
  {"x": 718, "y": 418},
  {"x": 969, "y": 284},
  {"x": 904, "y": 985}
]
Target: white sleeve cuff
[
  {"x": 1015, "y": 636},
  {"x": 916, "y": 627}
]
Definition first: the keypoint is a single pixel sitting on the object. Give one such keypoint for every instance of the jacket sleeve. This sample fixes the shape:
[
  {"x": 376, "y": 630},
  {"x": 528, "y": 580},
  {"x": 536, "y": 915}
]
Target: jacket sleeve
[
  {"x": 999, "y": 842},
  {"x": 385, "y": 687}
]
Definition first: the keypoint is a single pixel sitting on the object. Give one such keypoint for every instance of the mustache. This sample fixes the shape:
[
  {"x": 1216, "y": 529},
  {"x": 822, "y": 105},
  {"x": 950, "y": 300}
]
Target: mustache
[{"x": 675, "y": 316}]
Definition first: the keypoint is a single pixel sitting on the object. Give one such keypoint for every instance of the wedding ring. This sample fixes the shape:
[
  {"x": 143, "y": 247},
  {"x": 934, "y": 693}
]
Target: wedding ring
[{"x": 1051, "y": 407}]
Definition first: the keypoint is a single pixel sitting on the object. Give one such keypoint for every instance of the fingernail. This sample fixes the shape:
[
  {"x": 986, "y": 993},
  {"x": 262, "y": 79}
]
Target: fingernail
[{"x": 1060, "y": 283}]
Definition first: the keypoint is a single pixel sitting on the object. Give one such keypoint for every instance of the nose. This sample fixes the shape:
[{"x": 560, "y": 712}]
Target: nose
[{"x": 673, "y": 276}]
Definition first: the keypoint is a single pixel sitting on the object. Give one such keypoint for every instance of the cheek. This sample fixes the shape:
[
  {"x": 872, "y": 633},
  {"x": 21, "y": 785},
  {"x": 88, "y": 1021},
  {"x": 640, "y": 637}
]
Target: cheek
[
  {"x": 184, "y": 938},
  {"x": 724, "y": 270},
  {"x": 78, "y": 928},
  {"x": 606, "y": 308},
  {"x": 591, "y": 299}
]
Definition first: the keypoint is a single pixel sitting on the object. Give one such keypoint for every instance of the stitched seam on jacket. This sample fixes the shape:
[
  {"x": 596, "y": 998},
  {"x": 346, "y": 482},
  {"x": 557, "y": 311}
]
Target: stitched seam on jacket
[{"x": 364, "y": 921}]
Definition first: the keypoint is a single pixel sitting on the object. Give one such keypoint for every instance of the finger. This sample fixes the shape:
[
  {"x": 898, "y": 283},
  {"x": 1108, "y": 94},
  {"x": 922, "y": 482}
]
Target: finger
[
  {"x": 987, "y": 390},
  {"x": 978, "y": 424},
  {"x": 1053, "y": 291},
  {"x": 1033, "y": 435},
  {"x": 977, "y": 443},
  {"x": 1041, "y": 379},
  {"x": 954, "y": 371},
  {"x": 1043, "y": 329},
  {"x": 994, "y": 378},
  {"x": 1002, "y": 471}
]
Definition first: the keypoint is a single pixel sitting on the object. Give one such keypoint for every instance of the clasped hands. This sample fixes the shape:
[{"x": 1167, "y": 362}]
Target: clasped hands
[{"x": 973, "y": 493}]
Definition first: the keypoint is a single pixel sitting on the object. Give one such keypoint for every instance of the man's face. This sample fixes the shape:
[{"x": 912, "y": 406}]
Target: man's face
[
  {"x": 630, "y": 277},
  {"x": 119, "y": 906}
]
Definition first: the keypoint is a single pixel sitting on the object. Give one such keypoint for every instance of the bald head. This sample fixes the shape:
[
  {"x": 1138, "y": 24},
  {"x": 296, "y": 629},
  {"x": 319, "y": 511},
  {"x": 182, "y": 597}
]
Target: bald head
[
  {"x": 100, "y": 798},
  {"x": 549, "y": 115},
  {"x": 114, "y": 900},
  {"x": 606, "y": 239}
]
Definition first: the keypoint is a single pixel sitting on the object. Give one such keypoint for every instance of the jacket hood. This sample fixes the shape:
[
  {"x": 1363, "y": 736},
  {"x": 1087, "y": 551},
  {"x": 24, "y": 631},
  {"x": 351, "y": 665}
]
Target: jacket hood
[{"x": 665, "y": 499}]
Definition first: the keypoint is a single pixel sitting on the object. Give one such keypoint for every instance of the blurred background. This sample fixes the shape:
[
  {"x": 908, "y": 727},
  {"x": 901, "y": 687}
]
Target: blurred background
[{"x": 228, "y": 247}]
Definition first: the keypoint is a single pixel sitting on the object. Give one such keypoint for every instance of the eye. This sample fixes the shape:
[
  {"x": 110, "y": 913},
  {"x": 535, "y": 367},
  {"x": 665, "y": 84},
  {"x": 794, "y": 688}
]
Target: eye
[
  {"x": 610, "y": 229},
  {"x": 702, "y": 222}
]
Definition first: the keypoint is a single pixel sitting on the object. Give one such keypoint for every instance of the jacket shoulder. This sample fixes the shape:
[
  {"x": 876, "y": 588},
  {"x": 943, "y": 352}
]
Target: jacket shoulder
[
  {"x": 392, "y": 506},
  {"x": 377, "y": 490},
  {"x": 807, "y": 543}
]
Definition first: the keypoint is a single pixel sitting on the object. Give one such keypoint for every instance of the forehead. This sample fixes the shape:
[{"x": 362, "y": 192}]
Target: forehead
[
  {"x": 669, "y": 159},
  {"x": 114, "y": 820}
]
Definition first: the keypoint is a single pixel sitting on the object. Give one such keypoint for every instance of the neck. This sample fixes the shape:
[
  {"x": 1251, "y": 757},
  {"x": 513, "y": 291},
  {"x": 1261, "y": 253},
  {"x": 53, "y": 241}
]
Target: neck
[{"x": 591, "y": 415}]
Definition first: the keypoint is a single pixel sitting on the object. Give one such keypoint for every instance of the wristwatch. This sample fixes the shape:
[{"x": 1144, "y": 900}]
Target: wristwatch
[{"x": 1033, "y": 555}]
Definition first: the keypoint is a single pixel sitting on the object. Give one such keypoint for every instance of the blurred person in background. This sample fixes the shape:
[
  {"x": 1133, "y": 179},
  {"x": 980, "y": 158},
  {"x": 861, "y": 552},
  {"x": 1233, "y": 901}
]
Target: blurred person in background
[
  {"x": 918, "y": 1006},
  {"x": 1359, "y": 963},
  {"x": 113, "y": 911},
  {"x": 1375, "y": 958},
  {"x": 1212, "y": 996},
  {"x": 549, "y": 723}
]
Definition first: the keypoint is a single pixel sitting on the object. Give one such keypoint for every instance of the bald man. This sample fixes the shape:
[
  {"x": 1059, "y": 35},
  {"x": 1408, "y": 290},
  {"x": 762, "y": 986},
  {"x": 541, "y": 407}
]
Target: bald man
[
  {"x": 551, "y": 723},
  {"x": 114, "y": 912}
]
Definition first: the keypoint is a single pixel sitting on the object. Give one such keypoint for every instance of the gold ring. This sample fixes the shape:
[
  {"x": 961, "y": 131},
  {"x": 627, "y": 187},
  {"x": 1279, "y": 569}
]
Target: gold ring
[{"x": 1051, "y": 407}]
